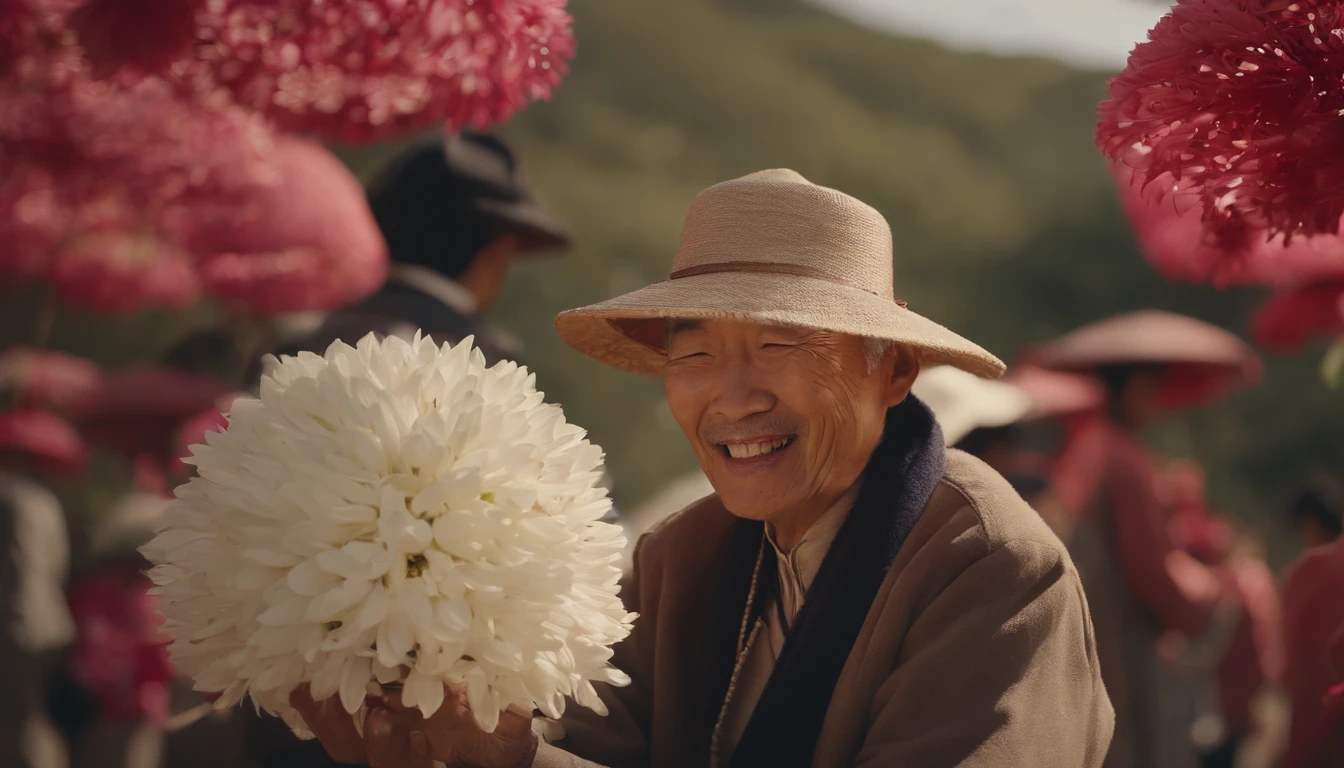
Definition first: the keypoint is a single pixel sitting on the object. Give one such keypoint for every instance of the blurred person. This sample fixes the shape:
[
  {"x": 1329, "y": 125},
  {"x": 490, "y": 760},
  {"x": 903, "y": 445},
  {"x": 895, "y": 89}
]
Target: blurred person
[
  {"x": 124, "y": 707},
  {"x": 964, "y": 403},
  {"x": 1018, "y": 426},
  {"x": 931, "y": 618},
  {"x": 457, "y": 213},
  {"x": 1252, "y": 658},
  {"x": 1140, "y": 585},
  {"x": 35, "y": 623},
  {"x": 987, "y": 419},
  {"x": 1318, "y": 511},
  {"x": 1314, "y": 638},
  {"x": 1063, "y": 468}
]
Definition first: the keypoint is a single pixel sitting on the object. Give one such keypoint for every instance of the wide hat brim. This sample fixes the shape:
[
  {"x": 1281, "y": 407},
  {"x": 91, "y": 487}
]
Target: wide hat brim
[
  {"x": 1202, "y": 361},
  {"x": 536, "y": 227},
  {"x": 604, "y": 331}
]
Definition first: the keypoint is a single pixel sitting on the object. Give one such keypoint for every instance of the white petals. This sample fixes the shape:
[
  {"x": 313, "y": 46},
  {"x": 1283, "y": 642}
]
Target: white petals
[
  {"x": 423, "y": 691},
  {"x": 353, "y": 680},
  {"x": 326, "y": 681},
  {"x": 394, "y": 512},
  {"x": 307, "y": 580},
  {"x": 396, "y": 636},
  {"x": 372, "y": 610},
  {"x": 452, "y": 617},
  {"x": 331, "y": 604}
]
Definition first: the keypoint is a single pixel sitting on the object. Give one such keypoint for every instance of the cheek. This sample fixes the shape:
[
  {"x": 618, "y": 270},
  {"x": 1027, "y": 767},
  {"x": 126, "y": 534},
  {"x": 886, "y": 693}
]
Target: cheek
[
  {"x": 837, "y": 409},
  {"x": 685, "y": 398},
  {"x": 823, "y": 400}
]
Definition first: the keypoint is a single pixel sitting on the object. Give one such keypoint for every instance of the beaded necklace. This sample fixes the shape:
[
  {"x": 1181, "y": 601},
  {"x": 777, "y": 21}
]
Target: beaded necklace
[{"x": 744, "y": 642}]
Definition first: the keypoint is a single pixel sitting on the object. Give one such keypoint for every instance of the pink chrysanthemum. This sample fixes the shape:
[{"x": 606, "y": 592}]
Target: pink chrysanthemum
[
  {"x": 17, "y": 31},
  {"x": 309, "y": 242},
  {"x": 357, "y": 71},
  {"x": 1242, "y": 99},
  {"x": 1167, "y": 226},
  {"x": 99, "y": 184},
  {"x": 1293, "y": 316},
  {"x": 145, "y": 35}
]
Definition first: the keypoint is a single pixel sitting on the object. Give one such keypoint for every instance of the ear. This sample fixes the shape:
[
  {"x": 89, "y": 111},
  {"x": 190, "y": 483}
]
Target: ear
[{"x": 903, "y": 365}]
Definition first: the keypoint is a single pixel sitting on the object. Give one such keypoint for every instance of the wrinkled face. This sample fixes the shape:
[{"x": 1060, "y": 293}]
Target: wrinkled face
[{"x": 783, "y": 420}]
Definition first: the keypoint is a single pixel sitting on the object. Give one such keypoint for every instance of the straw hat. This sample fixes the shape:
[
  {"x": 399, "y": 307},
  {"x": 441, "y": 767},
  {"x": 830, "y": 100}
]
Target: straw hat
[
  {"x": 963, "y": 403},
  {"x": 1202, "y": 361},
  {"x": 1148, "y": 336},
  {"x": 776, "y": 249}
]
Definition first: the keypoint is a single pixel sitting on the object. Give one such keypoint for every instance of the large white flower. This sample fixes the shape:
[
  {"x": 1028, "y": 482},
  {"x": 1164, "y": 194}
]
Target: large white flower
[{"x": 394, "y": 512}]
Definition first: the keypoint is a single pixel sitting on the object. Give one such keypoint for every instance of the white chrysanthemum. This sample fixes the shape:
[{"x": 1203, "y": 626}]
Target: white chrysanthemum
[{"x": 394, "y": 512}]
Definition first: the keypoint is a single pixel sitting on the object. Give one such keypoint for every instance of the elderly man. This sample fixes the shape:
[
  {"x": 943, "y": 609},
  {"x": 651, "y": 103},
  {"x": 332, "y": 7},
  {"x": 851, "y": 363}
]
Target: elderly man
[{"x": 854, "y": 593}]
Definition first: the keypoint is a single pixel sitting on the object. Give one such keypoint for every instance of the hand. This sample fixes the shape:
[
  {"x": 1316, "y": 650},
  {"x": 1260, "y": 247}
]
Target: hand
[
  {"x": 399, "y": 737},
  {"x": 452, "y": 737},
  {"x": 332, "y": 725}
]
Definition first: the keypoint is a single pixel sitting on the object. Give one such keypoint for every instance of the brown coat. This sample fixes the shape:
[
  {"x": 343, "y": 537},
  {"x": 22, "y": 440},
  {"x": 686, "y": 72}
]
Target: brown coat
[{"x": 977, "y": 651}]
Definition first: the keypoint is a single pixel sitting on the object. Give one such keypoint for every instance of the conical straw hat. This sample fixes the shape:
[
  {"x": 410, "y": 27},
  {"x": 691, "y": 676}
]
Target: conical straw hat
[{"x": 1202, "y": 361}]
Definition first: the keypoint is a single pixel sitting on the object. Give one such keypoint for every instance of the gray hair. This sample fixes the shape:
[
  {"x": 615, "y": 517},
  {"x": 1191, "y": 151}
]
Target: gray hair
[{"x": 874, "y": 350}]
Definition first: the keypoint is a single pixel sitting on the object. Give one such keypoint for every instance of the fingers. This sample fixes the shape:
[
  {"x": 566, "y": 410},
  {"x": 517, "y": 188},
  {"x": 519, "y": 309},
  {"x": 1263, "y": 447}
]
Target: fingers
[
  {"x": 331, "y": 724},
  {"x": 390, "y": 745},
  {"x": 452, "y": 730}
]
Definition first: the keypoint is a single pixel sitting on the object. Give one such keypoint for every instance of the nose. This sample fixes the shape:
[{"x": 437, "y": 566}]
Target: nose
[{"x": 743, "y": 389}]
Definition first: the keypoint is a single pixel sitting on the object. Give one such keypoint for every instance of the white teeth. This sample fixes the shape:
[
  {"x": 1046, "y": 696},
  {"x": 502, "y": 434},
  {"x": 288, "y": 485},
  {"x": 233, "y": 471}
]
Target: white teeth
[{"x": 752, "y": 450}]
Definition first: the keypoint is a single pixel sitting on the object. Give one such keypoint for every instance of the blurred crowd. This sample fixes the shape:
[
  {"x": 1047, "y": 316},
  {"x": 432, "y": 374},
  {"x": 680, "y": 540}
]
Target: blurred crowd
[{"x": 1210, "y": 658}]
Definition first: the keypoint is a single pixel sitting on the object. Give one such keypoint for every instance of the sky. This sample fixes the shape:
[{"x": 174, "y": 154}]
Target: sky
[{"x": 1094, "y": 34}]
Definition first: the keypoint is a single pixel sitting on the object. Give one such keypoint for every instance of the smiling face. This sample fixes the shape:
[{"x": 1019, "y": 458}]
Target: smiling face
[{"x": 782, "y": 420}]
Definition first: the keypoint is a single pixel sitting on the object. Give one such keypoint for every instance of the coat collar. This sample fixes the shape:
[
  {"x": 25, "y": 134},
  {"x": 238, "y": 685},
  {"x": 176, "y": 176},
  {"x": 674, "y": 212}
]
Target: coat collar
[{"x": 783, "y": 730}]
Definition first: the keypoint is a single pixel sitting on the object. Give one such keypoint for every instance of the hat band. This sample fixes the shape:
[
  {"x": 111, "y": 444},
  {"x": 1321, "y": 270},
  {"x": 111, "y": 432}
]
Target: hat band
[{"x": 768, "y": 268}]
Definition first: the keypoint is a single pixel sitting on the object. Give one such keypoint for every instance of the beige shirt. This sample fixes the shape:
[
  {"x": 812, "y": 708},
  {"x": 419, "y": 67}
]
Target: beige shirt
[{"x": 797, "y": 568}]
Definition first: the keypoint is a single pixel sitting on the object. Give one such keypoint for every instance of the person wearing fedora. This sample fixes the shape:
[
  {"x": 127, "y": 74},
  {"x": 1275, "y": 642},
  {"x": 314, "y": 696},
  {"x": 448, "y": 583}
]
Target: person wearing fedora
[
  {"x": 456, "y": 214},
  {"x": 853, "y": 593}
]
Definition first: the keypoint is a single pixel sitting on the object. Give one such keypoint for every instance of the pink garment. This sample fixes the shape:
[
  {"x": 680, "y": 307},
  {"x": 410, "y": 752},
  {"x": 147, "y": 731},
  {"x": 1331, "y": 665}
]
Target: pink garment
[
  {"x": 1078, "y": 472},
  {"x": 1178, "y": 589},
  {"x": 1255, "y": 655},
  {"x": 119, "y": 654},
  {"x": 1314, "y": 636},
  {"x": 1139, "y": 585}
]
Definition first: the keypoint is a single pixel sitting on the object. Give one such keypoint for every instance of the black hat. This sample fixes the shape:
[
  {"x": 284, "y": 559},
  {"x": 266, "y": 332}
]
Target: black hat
[{"x": 441, "y": 201}]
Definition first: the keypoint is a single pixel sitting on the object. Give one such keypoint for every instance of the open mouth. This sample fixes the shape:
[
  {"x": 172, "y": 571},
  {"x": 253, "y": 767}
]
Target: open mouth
[{"x": 755, "y": 448}]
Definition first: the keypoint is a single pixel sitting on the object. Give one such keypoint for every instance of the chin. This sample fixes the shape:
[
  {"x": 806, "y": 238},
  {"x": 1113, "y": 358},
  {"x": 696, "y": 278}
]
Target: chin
[{"x": 748, "y": 506}]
